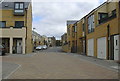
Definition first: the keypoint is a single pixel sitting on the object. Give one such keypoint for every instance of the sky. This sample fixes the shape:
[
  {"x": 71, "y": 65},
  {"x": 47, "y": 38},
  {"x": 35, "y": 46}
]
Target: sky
[{"x": 50, "y": 16}]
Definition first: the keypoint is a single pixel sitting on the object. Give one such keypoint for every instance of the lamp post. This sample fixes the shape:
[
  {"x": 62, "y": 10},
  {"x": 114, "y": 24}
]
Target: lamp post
[{"x": 34, "y": 41}]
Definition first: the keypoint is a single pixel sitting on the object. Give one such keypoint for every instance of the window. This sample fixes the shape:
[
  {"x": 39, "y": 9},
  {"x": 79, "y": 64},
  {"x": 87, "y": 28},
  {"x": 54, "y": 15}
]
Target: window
[
  {"x": 103, "y": 17},
  {"x": 2, "y": 24},
  {"x": 19, "y": 5},
  {"x": 91, "y": 25},
  {"x": 114, "y": 12},
  {"x": 75, "y": 28},
  {"x": 83, "y": 27},
  {"x": 19, "y": 24},
  {"x": 68, "y": 31},
  {"x": 69, "y": 43}
]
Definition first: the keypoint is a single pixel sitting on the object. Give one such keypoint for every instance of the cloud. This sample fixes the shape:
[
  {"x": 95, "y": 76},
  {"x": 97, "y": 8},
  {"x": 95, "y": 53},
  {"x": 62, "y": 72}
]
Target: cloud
[{"x": 49, "y": 18}]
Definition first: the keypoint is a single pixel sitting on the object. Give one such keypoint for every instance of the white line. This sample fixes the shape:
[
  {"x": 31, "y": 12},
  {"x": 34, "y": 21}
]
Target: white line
[{"x": 12, "y": 72}]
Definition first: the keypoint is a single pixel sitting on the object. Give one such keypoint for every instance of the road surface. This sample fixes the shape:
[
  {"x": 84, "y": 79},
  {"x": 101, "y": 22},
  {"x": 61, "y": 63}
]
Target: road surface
[{"x": 54, "y": 64}]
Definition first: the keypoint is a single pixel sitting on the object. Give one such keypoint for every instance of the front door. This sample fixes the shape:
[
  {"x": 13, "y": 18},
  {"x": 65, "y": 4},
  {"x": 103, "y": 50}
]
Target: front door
[
  {"x": 19, "y": 46},
  {"x": 116, "y": 47}
]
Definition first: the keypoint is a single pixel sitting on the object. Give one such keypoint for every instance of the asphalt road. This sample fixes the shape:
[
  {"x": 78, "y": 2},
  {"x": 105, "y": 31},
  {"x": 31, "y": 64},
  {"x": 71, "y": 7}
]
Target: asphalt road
[{"x": 55, "y": 64}]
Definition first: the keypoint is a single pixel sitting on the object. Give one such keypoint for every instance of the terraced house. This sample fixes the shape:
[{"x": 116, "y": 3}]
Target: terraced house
[
  {"x": 81, "y": 36},
  {"x": 103, "y": 31},
  {"x": 36, "y": 39},
  {"x": 97, "y": 34},
  {"x": 16, "y": 26},
  {"x": 71, "y": 36},
  {"x": 64, "y": 42}
]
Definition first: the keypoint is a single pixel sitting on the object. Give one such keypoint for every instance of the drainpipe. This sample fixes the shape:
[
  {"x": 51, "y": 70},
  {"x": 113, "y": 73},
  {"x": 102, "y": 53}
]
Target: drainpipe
[
  {"x": 108, "y": 41},
  {"x": 119, "y": 36},
  {"x": 26, "y": 26}
]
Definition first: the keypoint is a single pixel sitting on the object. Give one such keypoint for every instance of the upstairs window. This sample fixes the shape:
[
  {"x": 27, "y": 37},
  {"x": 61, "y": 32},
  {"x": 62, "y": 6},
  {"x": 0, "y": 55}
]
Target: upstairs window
[
  {"x": 2, "y": 24},
  {"x": 75, "y": 29},
  {"x": 19, "y": 8},
  {"x": 83, "y": 27},
  {"x": 91, "y": 25},
  {"x": 114, "y": 12},
  {"x": 103, "y": 17},
  {"x": 19, "y": 24},
  {"x": 19, "y": 5}
]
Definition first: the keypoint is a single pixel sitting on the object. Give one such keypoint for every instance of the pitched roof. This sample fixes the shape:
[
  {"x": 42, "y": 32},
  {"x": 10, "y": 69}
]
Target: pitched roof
[
  {"x": 9, "y": 4},
  {"x": 71, "y": 22}
]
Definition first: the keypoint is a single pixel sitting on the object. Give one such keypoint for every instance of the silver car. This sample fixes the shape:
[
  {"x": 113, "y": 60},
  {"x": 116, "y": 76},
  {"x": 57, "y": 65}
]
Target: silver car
[{"x": 39, "y": 48}]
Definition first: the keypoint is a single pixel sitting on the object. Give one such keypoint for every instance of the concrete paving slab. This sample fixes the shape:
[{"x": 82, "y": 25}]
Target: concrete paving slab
[{"x": 8, "y": 69}]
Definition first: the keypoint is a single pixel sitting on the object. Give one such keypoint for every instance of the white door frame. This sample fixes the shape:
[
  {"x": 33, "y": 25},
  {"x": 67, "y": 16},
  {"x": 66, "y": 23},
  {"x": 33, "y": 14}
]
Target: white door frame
[
  {"x": 19, "y": 46},
  {"x": 116, "y": 47}
]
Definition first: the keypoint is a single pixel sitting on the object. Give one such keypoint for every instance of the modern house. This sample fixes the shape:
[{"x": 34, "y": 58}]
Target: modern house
[
  {"x": 64, "y": 39},
  {"x": 98, "y": 33},
  {"x": 64, "y": 42},
  {"x": 16, "y": 26},
  {"x": 36, "y": 39},
  {"x": 81, "y": 36},
  {"x": 102, "y": 33},
  {"x": 71, "y": 36},
  {"x": 51, "y": 41}
]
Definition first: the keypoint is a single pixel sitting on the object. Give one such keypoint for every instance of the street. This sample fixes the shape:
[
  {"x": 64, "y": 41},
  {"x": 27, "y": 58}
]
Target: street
[{"x": 55, "y": 64}]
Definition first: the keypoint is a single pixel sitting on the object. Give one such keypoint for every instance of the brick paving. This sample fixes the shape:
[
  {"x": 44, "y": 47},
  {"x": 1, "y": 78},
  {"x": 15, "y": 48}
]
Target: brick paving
[{"x": 57, "y": 65}]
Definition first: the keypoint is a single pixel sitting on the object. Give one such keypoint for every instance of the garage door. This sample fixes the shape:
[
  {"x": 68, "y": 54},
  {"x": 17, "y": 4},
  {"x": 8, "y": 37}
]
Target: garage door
[
  {"x": 101, "y": 48},
  {"x": 91, "y": 47}
]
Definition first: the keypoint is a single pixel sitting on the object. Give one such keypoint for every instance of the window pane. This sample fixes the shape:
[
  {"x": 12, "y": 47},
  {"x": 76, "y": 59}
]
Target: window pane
[
  {"x": 2, "y": 24},
  {"x": 16, "y": 5},
  {"x": 21, "y": 5},
  {"x": 19, "y": 24}
]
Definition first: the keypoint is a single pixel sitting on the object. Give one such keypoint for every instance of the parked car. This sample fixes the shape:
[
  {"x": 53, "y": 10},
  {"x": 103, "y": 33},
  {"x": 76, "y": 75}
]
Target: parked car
[
  {"x": 39, "y": 48},
  {"x": 44, "y": 47},
  {"x": 2, "y": 50}
]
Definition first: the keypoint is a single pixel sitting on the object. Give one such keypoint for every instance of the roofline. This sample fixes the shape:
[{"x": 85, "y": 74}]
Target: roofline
[
  {"x": 1, "y": 1},
  {"x": 92, "y": 11},
  {"x": 96, "y": 9}
]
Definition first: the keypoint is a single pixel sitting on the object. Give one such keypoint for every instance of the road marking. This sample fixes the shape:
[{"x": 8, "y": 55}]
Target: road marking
[
  {"x": 115, "y": 67},
  {"x": 12, "y": 72}
]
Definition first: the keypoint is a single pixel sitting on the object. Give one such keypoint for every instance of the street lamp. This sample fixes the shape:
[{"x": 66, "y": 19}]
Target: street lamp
[{"x": 35, "y": 38}]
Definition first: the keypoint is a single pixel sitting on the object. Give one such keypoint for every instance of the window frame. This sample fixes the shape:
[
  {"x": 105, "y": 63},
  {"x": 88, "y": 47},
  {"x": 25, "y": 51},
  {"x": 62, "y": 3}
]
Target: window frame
[
  {"x": 19, "y": 6},
  {"x": 91, "y": 23},
  {"x": 21, "y": 26},
  {"x": 5, "y": 24}
]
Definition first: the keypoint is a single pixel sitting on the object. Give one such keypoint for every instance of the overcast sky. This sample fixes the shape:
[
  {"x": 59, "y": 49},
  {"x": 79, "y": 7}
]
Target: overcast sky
[{"x": 50, "y": 16}]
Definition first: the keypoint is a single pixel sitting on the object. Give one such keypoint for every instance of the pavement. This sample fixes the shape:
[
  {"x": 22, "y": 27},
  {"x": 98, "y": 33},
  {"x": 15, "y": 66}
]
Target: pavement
[
  {"x": 8, "y": 69},
  {"x": 54, "y": 64}
]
